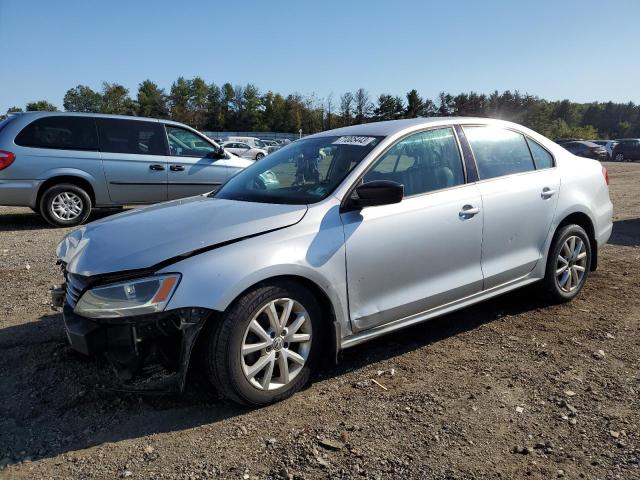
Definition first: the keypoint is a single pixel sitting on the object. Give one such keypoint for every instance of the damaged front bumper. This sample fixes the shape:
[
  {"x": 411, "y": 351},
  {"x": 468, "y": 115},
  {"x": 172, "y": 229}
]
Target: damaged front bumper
[{"x": 149, "y": 353}]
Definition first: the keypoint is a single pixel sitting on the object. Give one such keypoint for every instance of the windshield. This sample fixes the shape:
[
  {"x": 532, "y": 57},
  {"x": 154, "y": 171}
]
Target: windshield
[{"x": 305, "y": 171}]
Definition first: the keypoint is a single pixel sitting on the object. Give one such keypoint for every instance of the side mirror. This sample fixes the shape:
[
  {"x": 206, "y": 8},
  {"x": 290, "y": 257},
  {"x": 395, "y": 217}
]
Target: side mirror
[
  {"x": 377, "y": 192},
  {"x": 217, "y": 154}
]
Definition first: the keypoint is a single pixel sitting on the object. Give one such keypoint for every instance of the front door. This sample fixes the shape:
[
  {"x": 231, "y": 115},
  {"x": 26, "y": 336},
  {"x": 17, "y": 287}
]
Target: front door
[
  {"x": 520, "y": 189},
  {"x": 134, "y": 157},
  {"x": 192, "y": 170},
  {"x": 423, "y": 252}
]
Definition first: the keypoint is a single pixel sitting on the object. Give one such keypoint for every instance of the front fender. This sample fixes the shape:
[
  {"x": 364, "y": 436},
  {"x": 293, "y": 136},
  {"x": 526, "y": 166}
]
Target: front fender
[{"x": 214, "y": 279}]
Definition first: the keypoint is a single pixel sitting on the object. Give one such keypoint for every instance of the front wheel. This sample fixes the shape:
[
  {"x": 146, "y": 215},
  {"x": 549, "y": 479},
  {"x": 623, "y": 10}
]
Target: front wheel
[
  {"x": 65, "y": 205},
  {"x": 568, "y": 263},
  {"x": 619, "y": 157},
  {"x": 266, "y": 345},
  {"x": 259, "y": 156}
]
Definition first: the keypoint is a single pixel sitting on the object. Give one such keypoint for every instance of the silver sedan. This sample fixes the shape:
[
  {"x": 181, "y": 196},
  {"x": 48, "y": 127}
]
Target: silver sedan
[{"x": 333, "y": 240}]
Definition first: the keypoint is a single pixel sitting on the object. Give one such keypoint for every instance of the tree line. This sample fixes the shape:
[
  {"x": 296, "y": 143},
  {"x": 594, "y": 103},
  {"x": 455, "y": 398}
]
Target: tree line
[{"x": 207, "y": 106}]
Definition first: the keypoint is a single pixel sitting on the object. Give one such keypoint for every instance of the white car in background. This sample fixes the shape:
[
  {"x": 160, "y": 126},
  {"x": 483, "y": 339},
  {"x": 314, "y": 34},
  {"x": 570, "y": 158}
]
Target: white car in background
[{"x": 245, "y": 150}]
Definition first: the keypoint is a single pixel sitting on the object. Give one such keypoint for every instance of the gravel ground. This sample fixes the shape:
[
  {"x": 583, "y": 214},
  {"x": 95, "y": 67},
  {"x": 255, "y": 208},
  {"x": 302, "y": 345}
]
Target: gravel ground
[{"x": 506, "y": 389}]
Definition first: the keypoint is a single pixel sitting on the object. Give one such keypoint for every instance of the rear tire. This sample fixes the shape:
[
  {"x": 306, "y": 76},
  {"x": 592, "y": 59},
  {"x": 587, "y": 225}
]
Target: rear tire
[
  {"x": 65, "y": 205},
  {"x": 568, "y": 264},
  {"x": 233, "y": 356}
]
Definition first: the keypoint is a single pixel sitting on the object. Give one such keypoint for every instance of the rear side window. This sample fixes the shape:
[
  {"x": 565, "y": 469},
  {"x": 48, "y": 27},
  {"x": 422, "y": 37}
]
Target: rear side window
[
  {"x": 499, "y": 151},
  {"x": 131, "y": 136},
  {"x": 68, "y": 133},
  {"x": 541, "y": 157}
]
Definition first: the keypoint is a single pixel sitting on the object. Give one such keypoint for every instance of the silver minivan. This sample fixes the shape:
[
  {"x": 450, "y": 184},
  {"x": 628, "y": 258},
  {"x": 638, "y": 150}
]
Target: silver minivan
[
  {"x": 333, "y": 240},
  {"x": 64, "y": 164}
]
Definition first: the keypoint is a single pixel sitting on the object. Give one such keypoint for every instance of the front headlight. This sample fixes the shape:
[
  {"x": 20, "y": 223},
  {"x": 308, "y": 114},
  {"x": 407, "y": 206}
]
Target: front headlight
[{"x": 126, "y": 299}]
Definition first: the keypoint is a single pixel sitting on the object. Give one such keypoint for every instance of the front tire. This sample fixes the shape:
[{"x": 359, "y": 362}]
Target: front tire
[
  {"x": 619, "y": 157},
  {"x": 568, "y": 264},
  {"x": 65, "y": 205},
  {"x": 266, "y": 345},
  {"x": 259, "y": 156}
]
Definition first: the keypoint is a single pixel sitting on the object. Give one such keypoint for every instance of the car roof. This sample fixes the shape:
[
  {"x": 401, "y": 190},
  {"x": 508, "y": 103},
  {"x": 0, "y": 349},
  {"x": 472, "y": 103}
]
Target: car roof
[
  {"x": 99, "y": 115},
  {"x": 391, "y": 127}
]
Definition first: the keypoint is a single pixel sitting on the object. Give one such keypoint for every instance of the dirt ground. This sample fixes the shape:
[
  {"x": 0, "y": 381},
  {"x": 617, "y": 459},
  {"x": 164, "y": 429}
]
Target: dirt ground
[{"x": 507, "y": 389}]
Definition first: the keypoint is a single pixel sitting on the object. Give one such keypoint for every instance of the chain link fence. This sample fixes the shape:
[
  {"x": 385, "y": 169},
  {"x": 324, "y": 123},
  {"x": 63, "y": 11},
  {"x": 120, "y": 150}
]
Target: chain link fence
[{"x": 260, "y": 135}]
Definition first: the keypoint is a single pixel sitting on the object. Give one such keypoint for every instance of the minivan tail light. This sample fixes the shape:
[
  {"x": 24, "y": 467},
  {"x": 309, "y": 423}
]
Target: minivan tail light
[
  {"x": 6, "y": 159},
  {"x": 605, "y": 174}
]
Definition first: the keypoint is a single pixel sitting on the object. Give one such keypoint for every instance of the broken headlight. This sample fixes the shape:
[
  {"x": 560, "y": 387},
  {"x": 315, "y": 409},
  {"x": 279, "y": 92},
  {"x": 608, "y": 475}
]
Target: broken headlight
[{"x": 125, "y": 299}]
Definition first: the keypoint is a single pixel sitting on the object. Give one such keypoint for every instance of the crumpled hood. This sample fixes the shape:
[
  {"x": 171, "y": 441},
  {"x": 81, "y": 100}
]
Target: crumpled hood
[{"x": 144, "y": 237}]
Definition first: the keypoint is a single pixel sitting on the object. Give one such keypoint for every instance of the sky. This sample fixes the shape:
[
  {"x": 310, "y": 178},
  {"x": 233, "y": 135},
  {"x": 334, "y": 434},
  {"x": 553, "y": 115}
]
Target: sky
[{"x": 583, "y": 50}]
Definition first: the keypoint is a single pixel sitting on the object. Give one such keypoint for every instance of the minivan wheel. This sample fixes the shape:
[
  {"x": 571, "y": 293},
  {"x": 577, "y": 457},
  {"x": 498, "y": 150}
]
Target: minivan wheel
[
  {"x": 65, "y": 205},
  {"x": 266, "y": 345},
  {"x": 568, "y": 264}
]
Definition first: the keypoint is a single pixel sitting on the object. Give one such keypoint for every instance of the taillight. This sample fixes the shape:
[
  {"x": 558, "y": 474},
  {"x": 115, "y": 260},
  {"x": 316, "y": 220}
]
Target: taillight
[
  {"x": 605, "y": 174},
  {"x": 6, "y": 159}
]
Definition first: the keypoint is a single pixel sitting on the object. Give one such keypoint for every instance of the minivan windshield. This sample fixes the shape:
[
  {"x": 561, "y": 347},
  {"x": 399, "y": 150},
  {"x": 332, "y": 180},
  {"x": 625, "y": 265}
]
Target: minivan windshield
[{"x": 305, "y": 171}]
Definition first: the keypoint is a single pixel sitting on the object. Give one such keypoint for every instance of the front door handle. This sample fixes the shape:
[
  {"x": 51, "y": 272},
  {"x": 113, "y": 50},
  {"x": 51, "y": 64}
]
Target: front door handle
[
  {"x": 547, "y": 192},
  {"x": 176, "y": 168},
  {"x": 469, "y": 211},
  {"x": 156, "y": 167}
]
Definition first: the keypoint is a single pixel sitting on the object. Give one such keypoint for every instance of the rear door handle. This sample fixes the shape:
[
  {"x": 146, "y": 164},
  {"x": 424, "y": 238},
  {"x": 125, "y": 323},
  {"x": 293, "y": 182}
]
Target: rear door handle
[
  {"x": 547, "y": 192},
  {"x": 469, "y": 211},
  {"x": 176, "y": 168},
  {"x": 156, "y": 167}
]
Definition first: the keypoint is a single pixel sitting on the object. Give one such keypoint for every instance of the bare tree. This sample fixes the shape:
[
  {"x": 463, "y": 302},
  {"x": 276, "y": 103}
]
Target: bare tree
[
  {"x": 364, "y": 106},
  {"x": 329, "y": 110},
  {"x": 346, "y": 108}
]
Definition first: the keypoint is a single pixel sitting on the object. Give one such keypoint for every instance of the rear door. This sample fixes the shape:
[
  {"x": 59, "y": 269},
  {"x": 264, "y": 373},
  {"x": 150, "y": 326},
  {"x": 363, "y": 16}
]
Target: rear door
[
  {"x": 192, "y": 169},
  {"x": 519, "y": 198},
  {"x": 134, "y": 154}
]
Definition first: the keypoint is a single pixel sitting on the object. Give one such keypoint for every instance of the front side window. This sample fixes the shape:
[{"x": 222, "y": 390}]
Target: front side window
[
  {"x": 541, "y": 157},
  {"x": 422, "y": 162},
  {"x": 303, "y": 172},
  {"x": 183, "y": 143},
  {"x": 131, "y": 136},
  {"x": 498, "y": 151},
  {"x": 60, "y": 132}
]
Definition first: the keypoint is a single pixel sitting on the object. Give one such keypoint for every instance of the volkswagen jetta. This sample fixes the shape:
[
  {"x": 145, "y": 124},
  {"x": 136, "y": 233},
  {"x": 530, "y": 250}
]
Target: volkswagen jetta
[{"x": 332, "y": 240}]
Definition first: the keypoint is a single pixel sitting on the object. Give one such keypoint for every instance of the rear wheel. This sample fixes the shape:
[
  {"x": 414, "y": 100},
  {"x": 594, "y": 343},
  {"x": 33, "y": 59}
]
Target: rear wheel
[
  {"x": 65, "y": 205},
  {"x": 266, "y": 345},
  {"x": 568, "y": 264}
]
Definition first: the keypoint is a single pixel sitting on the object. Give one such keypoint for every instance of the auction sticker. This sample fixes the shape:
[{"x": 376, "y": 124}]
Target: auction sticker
[{"x": 354, "y": 140}]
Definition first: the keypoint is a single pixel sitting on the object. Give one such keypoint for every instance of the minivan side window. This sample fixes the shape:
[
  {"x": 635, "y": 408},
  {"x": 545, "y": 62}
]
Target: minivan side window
[
  {"x": 131, "y": 136},
  {"x": 183, "y": 143},
  {"x": 541, "y": 157},
  {"x": 498, "y": 151},
  {"x": 60, "y": 132},
  {"x": 422, "y": 162}
]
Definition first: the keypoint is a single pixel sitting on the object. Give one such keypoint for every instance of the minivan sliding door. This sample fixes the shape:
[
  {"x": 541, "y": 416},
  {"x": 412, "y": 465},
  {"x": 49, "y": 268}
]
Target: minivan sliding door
[{"x": 134, "y": 158}]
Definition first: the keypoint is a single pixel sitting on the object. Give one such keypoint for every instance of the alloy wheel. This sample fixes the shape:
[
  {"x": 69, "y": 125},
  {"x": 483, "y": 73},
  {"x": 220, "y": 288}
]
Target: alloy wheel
[
  {"x": 66, "y": 206},
  {"x": 619, "y": 157},
  {"x": 276, "y": 344},
  {"x": 571, "y": 264}
]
